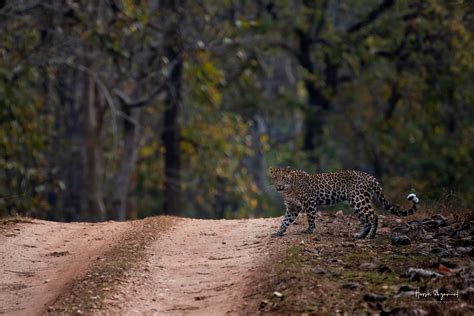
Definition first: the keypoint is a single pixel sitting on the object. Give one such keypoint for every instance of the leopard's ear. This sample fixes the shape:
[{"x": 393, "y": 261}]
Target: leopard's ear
[
  {"x": 288, "y": 168},
  {"x": 271, "y": 169}
]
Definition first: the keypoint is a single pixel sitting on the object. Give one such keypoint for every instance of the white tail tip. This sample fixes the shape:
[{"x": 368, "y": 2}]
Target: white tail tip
[{"x": 413, "y": 197}]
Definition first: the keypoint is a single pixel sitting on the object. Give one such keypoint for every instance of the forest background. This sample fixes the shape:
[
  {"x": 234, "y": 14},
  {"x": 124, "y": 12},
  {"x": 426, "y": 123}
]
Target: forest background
[{"x": 123, "y": 109}]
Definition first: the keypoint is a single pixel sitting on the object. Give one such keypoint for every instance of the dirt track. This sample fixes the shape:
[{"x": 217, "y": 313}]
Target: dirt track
[
  {"x": 197, "y": 266},
  {"x": 40, "y": 259},
  {"x": 173, "y": 266}
]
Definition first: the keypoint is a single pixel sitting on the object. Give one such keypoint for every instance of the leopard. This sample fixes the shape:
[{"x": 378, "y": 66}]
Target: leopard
[{"x": 305, "y": 192}]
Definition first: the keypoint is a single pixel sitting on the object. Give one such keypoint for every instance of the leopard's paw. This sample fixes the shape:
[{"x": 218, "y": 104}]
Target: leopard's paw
[
  {"x": 360, "y": 236},
  {"x": 277, "y": 234}
]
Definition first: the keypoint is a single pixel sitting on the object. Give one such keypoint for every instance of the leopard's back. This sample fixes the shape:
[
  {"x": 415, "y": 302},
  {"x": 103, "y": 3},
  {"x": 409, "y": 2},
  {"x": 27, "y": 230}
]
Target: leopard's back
[{"x": 334, "y": 187}]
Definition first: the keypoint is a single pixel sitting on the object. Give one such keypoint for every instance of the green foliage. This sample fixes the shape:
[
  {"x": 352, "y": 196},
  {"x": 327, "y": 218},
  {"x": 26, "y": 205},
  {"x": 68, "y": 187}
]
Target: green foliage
[
  {"x": 427, "y": 134},
  {"x": 23, "y": 132},
  {"x": 399, "y": 91},
  {"x": 214, "y": 145}
]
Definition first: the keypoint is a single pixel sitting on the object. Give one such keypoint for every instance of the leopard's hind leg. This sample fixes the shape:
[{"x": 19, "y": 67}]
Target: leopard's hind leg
[
  {"x": 374, "y": 223},
  {"x": 366, "y": 215}
]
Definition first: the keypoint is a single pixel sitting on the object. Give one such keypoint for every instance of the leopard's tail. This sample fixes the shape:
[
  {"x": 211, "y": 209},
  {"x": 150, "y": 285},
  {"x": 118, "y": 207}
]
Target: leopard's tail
[{"x": 377, "y": 189}]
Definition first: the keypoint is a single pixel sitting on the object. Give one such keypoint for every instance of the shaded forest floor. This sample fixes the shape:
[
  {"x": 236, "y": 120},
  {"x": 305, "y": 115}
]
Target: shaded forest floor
[{"x": 186, "y": 266}]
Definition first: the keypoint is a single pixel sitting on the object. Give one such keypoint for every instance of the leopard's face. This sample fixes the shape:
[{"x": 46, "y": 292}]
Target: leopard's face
[{"x": 281, "y": 179}]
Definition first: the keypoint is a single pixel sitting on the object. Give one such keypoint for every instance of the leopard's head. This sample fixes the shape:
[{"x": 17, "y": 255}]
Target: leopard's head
[{"x": 281, "y": 178}]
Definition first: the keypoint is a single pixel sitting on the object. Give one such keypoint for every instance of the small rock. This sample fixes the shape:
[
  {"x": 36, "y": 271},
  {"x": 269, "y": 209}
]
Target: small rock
[
  {"x": 427, "y": 237},
  {"x": 447, "y": 252},
  {"x": 339, "y": 213},
  {"x": 467, "y": 294},
  {"x": 368, "y": 266},
  {"x": 466, "y": 242},
  {"x": 448, "y": 263},
  {"x": 406, "y": 288},
  {"x": 278, "y": 294},
  {"x": 384, "y": 269},
  {"x": 440, "y": 219},
  {"x": 320, "y": 271},
  {"x": 462, "y": 234},
  {"x": 371, "y": 297},
  {"x": 401, "y": 240},
  {"x": 351, "y": 285},
  {"x": 46, "y": 281},
  {"x": 465, "y": 250},
  {"x": 416, "y": 274},
  {"x": 263, "y": 303},
  {"x": 406, "y": 291}
]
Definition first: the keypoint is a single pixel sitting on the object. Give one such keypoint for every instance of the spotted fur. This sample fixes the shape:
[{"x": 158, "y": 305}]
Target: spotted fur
[{"x": 305, "y": 192}]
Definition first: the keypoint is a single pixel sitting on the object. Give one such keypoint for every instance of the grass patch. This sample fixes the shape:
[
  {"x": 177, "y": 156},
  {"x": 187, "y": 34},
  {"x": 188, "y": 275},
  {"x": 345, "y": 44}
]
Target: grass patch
[{"x": 8, "y": 221}]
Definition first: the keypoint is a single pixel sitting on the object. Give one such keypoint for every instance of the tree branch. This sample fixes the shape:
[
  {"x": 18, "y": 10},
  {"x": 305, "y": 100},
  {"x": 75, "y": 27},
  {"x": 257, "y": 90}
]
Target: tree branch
[
  {"x": 129, "y": 103},
  {"x": 372, "y": 16}
]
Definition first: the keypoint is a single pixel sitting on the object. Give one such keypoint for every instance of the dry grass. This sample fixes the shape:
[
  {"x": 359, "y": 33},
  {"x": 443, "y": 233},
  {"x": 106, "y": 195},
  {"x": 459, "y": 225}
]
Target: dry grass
[{"x": 291, "y": 272}]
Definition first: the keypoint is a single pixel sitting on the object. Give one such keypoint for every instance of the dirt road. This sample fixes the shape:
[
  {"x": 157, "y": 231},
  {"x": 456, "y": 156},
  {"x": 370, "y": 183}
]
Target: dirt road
[
  {"x": 39, "y": 260},
  {"x": 199, "y": 266},
  {"x": 173, "y": 266},
  {"x": 196, "y": 266}
]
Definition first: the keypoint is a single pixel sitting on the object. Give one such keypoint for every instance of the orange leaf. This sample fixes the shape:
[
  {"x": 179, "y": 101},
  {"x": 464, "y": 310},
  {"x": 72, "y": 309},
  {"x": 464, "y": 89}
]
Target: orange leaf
[{"x": 443, "y": 269}]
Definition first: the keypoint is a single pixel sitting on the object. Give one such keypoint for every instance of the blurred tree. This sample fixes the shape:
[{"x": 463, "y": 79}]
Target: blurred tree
[
  {"x": 173, "y": 52},
  {"x": 117, "y": 109}
]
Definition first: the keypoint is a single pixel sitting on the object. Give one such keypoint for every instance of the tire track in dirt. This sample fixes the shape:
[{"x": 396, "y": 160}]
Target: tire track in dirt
[
  {"x": 39, "y": 260},
  {"x": 199, "y": 267}
]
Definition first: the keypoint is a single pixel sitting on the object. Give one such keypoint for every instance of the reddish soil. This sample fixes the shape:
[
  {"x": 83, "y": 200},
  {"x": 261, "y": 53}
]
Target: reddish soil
[
  {"x": 198, "y": 266},
  {"x": 40, "y": 260},
  {"x": 201, "y": 267}
]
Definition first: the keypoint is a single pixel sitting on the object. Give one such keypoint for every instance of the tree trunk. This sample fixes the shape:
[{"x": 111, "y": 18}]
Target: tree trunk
[
  {"x": 94, "y": 170},
  {"x": 171, "y": 129},
  {"x": 131, "y": 130},
  {"x": 315, "y": 116},
  {"x": 71, "y": 90},
  {"x": 318, "y": 104},
  {"x": 170, "y": 137}
]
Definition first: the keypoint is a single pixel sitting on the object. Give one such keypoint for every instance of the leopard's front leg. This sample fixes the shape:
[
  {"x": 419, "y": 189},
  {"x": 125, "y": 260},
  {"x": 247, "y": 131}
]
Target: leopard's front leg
[
  {"x": 292, "y": 211},
  {"x": 311, "y": 216}
]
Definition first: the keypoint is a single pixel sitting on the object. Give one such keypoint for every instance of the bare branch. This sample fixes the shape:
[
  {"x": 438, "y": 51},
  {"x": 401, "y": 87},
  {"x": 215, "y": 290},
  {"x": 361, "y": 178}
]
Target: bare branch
[
  {"x": 372, "y": 16},
  {"x": 128, "y": 102}
]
